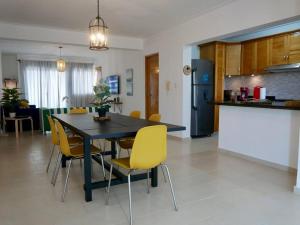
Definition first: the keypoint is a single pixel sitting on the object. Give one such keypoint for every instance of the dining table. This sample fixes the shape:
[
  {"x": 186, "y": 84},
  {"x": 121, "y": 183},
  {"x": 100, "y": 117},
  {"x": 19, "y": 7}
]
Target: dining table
[{"x": 116, "y": 127}]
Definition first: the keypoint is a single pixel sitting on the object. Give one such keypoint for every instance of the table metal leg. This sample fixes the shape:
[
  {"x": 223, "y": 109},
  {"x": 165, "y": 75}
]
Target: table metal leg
[
  {"x": 21, "y": 126},
  {"x": 31, "y": 122},
  {"x": 154, "y": 180},
  {"x": 87, "y": 169}
]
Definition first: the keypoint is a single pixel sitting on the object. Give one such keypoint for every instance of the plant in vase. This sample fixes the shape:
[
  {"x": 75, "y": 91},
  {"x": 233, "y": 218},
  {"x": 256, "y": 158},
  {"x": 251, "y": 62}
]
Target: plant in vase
[
  {"x": 101, "y": 98},
  {"x": 10, "y": 100}
]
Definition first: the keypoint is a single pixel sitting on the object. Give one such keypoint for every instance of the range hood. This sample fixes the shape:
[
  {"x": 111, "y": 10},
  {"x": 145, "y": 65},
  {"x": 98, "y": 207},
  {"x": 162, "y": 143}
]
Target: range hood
[{"x": 284, "y": 68}]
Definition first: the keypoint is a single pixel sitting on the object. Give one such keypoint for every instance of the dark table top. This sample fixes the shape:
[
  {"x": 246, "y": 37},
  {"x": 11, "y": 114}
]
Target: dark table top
[{"x": 118, "y": 126}]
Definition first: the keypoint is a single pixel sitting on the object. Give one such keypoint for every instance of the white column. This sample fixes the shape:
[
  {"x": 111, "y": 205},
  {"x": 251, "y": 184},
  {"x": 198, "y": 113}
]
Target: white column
[{"x": 297, "y": 186}]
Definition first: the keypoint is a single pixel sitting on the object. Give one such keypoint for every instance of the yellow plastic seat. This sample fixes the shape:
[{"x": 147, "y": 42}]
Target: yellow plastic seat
[
  {"x": 55, "y": 140},
  {"x": 135, "y": 114},
  {"x": 78, "y": 110},
  {"x": 75, "y": 152},
  {"x": 149, "y": 150},
  {"x": 126, "y": 143},
  {"x": 155, "y": 117}
]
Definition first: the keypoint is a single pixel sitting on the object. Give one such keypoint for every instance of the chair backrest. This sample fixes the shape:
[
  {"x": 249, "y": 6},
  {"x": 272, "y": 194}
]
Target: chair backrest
[
  {"x": 63, "y": 139},
  {"x": 149, "y": 148},
  {"x": 155, "y": 117},
  {"x": 135, "y": 114},
  {"x": 78, "y": 110},
  {"x": 54, "y": 135}
]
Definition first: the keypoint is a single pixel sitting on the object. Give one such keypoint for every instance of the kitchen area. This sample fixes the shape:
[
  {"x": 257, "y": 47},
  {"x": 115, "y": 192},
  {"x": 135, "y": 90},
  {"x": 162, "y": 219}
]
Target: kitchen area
[{"x": 257, "y": 97}]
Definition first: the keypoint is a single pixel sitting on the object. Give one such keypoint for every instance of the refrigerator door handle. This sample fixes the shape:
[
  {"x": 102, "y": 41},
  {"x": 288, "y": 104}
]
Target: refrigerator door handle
[{"x": 194, "y": 97}]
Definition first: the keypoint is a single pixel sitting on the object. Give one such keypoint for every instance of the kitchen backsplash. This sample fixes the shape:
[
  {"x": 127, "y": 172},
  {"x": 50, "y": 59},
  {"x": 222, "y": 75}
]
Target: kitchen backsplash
[{"x": 280, "y": 85}]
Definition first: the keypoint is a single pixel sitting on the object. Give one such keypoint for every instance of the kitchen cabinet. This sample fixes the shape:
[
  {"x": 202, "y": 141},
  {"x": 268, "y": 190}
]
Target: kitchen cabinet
[
  {"x": 233, "y": 59},
  {"x": 294, "y": 48},
  {"x": 262, "y": 54},
  {"x": 279, "y": 49},
  {"x": 249, "y": 57}
]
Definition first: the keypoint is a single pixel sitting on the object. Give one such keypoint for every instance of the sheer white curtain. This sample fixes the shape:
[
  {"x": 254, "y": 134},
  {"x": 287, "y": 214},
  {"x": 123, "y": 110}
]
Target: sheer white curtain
[{"x": 43, "y": 86}]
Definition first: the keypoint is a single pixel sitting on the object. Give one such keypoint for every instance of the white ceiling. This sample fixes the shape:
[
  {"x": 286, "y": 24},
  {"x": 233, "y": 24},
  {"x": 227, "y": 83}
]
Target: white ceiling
[{"x": 135, "y": 18}]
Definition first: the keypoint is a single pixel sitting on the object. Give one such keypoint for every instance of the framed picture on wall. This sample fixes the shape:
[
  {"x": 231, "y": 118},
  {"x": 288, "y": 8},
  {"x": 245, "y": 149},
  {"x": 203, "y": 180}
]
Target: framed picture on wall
[{"x": 129, "y": 82}]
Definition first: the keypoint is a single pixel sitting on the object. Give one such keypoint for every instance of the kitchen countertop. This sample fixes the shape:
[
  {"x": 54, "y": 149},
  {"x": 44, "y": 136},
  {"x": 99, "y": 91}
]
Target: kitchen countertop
[{"x": 270, "y": 105}]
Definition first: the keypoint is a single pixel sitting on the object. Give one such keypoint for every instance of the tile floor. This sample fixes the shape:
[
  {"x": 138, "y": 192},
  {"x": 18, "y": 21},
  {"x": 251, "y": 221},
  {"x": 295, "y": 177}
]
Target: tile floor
[{"x": 212, "y": 189}]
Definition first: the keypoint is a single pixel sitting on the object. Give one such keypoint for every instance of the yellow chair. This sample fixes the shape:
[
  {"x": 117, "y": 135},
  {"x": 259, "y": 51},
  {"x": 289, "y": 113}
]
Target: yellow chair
[
  {"x": 135, "y": 114},
  {"x": 155, "y": 117},
  {"x": 75, "y": 152},
  {"x": 55, "y": 140},
  {"x": 126, "y": 143},
  {"x": 149, "y": 150},
  {"x": 78, "y": 110}
]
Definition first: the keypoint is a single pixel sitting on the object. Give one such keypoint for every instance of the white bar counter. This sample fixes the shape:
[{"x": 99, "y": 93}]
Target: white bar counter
[{"x": 267, "y": 134}]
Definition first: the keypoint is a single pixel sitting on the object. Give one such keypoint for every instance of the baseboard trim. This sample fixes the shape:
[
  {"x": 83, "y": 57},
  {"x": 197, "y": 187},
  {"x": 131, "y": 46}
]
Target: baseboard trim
[
  {"x": 260, "y": 161},
  {"x": 176, "y": 138}
]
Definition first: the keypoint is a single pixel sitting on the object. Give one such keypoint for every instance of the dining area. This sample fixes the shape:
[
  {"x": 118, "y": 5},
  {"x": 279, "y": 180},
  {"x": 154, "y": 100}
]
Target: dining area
[{"x": 125, "y": 149}]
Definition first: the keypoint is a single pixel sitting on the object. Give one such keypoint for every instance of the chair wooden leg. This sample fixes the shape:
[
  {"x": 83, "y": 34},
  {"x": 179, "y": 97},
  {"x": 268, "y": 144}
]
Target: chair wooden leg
[
  {"x": 31, "y": 123},
  {"x": 17, "y": 128}
]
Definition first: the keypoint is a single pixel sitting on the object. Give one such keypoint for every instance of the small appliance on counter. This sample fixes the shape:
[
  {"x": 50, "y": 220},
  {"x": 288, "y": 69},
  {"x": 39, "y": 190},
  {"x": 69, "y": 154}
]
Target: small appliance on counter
[
  {"x": 259, "y": 93},
  {"x": 244, "y": 93},
  {"x": 227, "y": 95}
]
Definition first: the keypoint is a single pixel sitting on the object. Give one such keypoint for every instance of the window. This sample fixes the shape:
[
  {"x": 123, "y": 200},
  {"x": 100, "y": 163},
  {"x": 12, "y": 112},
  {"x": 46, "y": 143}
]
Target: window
[{"x": 44, "y": 86}]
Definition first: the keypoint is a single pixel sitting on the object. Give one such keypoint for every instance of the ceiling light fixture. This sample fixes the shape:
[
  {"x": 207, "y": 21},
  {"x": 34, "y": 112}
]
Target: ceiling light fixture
[
  {"x": 60, "y": 63},
  {"x": 98, "y": 32}
]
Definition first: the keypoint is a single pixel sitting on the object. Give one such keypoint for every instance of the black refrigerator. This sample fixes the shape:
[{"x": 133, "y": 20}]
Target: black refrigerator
[{"x": 202, "y": 112}]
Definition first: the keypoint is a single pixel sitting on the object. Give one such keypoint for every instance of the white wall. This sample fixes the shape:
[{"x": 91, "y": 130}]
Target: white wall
[
  {"x": 240, "y": 15},
  {"x": 113, "y": 61},
  {"x": 9, "y": 66}
]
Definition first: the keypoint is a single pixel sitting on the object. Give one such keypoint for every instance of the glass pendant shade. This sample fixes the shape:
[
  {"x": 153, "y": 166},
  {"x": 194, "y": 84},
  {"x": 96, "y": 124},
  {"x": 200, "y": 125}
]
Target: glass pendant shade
[
  {"x": 61, "y": 65},
  {"x": 98, "y": 32}
]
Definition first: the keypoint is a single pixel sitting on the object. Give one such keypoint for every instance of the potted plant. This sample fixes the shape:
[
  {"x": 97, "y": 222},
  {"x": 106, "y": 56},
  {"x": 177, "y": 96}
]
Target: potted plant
[
  {"x": 10, "y": 100},
  {"x": 101, "y": 98}
]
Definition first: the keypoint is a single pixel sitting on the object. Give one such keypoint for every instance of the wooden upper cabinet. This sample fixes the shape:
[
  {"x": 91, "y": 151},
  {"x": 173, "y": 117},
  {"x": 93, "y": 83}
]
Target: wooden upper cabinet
[
  {"x": 249, "y": 59},
  {"x": 233, "y": 59},
  {"x": 263, "y": 54},
  {"x": 279, "y": 49},
  {"x": 294, "y": 48},
  {"x": 208, "y": 51}
]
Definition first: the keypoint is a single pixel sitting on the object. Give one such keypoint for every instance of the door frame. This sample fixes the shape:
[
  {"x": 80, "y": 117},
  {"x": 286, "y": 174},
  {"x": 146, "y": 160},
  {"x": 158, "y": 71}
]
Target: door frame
[{"x": 147, "y": 89}]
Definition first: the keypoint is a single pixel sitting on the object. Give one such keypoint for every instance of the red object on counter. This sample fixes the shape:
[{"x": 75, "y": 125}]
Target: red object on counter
[
  {"x": 256, "y": 92},
  {"x": 244, "y": 93}
]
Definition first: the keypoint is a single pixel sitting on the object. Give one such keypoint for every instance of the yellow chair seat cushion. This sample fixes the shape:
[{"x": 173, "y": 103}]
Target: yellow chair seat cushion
[
  {"x": 126, "y": 143},
  {"x": 77, "y": 151},
  {"x": 122, "y": 162}
]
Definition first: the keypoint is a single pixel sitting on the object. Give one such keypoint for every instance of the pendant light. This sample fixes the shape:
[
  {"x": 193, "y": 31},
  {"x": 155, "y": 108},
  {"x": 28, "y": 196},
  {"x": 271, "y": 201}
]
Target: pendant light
[
  {"x": 60, "y": 63},
  {"x": 98, "y": 32}
]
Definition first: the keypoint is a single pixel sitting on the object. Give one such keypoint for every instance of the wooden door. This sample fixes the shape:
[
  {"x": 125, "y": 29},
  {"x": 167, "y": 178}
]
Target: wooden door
[
  {"x": 279, "y": 49},
  {"x": 152, "y": 84},
  {"x": 294, "y": 48},
  {"x": 249, "y": 64},
  {"x": 263, "y": 54},
  {"x": 233, "y": 59}
]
